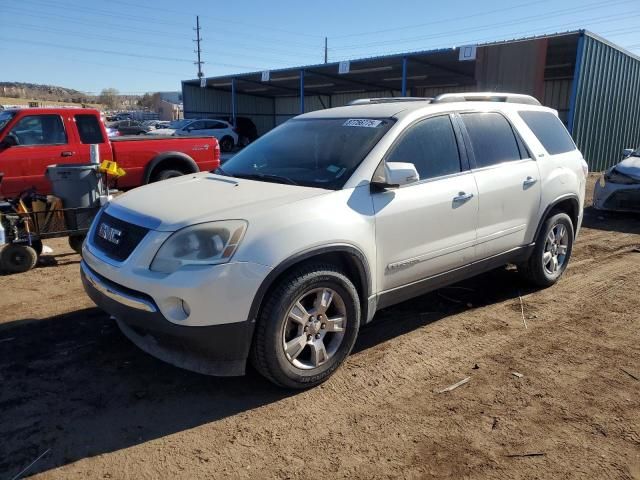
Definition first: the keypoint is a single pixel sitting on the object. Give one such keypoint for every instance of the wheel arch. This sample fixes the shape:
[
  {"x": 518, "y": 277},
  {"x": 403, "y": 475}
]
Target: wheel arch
[
  {"x": 346, "y": 256},
  {"x": 170, "y": 159},
  {"x": 569, "y": 204}
]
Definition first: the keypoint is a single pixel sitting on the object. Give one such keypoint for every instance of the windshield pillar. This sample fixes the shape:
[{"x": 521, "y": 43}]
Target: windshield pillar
[{"x": 301, "y": 91}]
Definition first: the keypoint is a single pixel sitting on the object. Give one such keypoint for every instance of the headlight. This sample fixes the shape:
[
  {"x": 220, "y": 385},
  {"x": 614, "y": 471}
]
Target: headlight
[{"x": 204, "y": 244}]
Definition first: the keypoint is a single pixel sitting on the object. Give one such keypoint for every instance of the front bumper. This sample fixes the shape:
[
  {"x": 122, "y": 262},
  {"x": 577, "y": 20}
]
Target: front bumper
[
  {"x": 619, "y": 197},
  {"x": 211, "y": 350}
]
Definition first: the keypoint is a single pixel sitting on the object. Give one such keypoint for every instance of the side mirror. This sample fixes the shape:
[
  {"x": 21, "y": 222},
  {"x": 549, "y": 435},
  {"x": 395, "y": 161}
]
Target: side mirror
[
  {"x": 8, "y": 141},
  {"x": 397, "y": 174},
  {"x": 627, "y": 152}
]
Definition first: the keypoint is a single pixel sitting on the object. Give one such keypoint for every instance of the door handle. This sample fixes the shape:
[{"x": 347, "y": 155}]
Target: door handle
[
  {"x": 462, "y": 197},
  {"x": 67, "y": 154},
  {"x": 529, "y": 181}
]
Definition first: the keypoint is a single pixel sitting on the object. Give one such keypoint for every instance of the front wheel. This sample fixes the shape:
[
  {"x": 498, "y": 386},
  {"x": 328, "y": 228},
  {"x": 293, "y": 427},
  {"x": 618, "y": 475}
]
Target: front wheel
[
  {"x": 552, "y": 252},
  {"x": 17, "y": 258},
  {"x": 307, "y": 327}
]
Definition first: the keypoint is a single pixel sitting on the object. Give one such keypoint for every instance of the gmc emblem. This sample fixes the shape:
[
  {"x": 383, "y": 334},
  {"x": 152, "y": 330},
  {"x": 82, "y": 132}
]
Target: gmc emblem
[{"x": 110, "y": 234}]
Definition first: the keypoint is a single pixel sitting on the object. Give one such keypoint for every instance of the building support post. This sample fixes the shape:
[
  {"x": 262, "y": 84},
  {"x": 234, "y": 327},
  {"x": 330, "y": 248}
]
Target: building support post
[
  {"x": 577, "y": 70},
  {"x": 301, "y": 91},
  {"x": 404, "y": 76},
  {"x": 233, "y": 101}
]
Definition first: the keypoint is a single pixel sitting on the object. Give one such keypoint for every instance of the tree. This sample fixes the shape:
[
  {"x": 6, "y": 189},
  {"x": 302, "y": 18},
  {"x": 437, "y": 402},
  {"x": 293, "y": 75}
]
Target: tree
[
  {"x": 110, "y": 98},
  {"x": 149, "y": 100}
]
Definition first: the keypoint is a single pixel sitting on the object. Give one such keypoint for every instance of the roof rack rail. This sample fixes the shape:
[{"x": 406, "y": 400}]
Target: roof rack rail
[
  {"x": 367, "y": 101},
  {"x": 486, "y": 97}
]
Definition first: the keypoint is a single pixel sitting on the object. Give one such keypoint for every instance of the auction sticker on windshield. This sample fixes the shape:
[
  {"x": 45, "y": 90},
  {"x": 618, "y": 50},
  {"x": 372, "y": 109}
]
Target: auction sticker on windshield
[{"x": 362, "y": 122}]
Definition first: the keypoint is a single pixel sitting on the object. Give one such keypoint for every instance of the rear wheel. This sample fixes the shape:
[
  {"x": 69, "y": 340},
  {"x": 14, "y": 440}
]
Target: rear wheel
[
  {"x": 307, "y": 327},
  {"x": 226, "y": 144},
  {"x": 552, "y": 252},
  {"x": 17, "y": 258}
]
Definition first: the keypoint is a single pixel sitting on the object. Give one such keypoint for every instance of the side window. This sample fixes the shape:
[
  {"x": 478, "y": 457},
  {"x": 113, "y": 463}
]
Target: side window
[
  {"x": 492, "y": 139},
  {"x": 39, "y": 130},
  {"x": 550, "y": 131},
  {"x": 431, "y": 146},
  {"x": 89, "y": 129},
  {"x": 217, "y": 126},
  {"x": 199, "y": 125}
]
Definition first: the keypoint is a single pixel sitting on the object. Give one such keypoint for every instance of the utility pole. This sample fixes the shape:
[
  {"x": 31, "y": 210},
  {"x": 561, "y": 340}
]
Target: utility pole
[
  {"x": 198, "y": 39},
  {"x": 325, "y": 50}
]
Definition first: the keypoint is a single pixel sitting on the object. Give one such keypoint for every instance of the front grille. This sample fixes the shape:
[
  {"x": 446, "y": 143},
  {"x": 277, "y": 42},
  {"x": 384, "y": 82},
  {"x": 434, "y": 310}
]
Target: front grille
[
  {"x": 624, "y": 200},
  {"x": 123, "y": 243}
]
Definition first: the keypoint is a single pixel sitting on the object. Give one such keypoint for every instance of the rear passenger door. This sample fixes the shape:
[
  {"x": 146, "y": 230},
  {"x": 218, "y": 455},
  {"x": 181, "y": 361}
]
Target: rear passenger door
[
  {"x": 508, "y": 182},
  {"x": 427, "y": 227}
]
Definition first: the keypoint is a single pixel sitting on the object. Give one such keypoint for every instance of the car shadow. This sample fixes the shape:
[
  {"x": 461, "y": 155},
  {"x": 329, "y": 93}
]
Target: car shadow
[
  {"x": 611, "y": 221},
  {"x": 73, "y": 386}
]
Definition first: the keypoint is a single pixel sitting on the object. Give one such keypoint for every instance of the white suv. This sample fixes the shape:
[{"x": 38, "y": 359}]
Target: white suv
[{"x": 281, "y": 255}]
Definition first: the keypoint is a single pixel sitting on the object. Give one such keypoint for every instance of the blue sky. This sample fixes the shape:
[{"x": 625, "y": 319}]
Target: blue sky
[{"x": 146, "y": 45}]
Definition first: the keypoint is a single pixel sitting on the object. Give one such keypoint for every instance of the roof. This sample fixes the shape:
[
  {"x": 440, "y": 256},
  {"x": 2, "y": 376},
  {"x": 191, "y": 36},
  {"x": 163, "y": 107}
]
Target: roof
[{"x": 432, "y": 68}]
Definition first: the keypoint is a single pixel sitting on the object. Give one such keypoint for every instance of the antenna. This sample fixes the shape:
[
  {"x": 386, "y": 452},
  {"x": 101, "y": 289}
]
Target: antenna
[
  {"x": 198, "y": 39},
  {"x": 325, "y": 50}
]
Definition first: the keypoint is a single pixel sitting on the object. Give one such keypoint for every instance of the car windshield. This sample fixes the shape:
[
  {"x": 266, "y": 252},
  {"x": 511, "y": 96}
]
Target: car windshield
[
  {"x": 178, "y": 123},
  {"x": 5, "y": 117},
  {"x": 313, "y": 152}
]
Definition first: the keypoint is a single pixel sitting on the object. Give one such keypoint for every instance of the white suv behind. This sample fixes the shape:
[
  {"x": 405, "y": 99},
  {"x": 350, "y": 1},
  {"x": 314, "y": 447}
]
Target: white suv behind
[{"x": 281, "y": 255}]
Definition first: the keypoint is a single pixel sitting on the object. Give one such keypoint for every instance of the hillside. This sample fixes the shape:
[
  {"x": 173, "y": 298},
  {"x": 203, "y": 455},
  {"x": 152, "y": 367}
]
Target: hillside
[{"x": 49, "y": 93}]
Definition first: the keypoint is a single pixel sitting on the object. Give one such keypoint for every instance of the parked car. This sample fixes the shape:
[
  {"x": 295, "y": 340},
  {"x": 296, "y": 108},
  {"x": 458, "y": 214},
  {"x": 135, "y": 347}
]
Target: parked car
[
  {"x": 33, "y": 138},
  {"x": 619, "y": 187},
  {"x": 220, "y": 129},
  {"x": 329, "y": 217},
  {"x": 171, "y": 127},
  {"x": 130, "y": 127},
  {"x": 244, "y": 127}
]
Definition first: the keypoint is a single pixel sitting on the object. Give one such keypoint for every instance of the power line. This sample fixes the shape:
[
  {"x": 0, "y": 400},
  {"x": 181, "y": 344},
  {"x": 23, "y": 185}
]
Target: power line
[
  {"x": 491, "y": 26},
  {"x": 444, "y": 20}
]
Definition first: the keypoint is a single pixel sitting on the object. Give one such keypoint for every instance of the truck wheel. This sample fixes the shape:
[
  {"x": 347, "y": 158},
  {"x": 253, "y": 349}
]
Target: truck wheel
[
  {"x": 226, "y": 144},
  {"x": 551, "y": 254},
  {"x": 307, "y": 327},
  {"x": 166, "y": 174},
  {"x": 17, "y": 258},
  {"x": 75, "y": 242}
]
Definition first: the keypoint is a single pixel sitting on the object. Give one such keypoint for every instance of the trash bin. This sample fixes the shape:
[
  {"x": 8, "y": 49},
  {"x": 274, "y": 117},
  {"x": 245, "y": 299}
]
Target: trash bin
[{"x": 78, "y": 186}]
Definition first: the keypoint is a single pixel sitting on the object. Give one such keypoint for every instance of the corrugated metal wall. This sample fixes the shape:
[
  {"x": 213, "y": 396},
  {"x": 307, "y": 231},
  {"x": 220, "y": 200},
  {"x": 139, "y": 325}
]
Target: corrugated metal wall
[
  {"x": 556, "y": 95},
  {"x": 607, "y": 103},
  {"x": 208, "y": 102}
]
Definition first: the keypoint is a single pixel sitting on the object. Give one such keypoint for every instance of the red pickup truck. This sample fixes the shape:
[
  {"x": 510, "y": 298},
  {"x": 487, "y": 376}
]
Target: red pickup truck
[{"x": 33, "y": 138}]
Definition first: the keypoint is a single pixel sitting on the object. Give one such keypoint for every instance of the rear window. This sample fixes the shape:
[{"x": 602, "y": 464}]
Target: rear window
[
  {"x": 89, "y": 129},
  {"x": 492, "y": 139},
  {"x": 550, "y": 131}
]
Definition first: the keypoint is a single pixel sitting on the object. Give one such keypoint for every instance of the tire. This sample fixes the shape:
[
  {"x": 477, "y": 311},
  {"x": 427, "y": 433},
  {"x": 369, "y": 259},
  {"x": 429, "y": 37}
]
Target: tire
[
  {"x": 540, "y": 269},
  {"x": 17, "y": 258},
  {"x": 306, "y": 366},
  {"x": 167, "y": 174},
  {"x": 75, "y": 242},
  {"x": 226, "y": 144}
]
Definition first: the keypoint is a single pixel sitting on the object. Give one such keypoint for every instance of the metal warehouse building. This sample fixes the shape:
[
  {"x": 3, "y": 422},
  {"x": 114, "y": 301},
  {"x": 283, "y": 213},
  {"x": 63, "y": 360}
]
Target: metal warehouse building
[{"x": 594, "y": 85}]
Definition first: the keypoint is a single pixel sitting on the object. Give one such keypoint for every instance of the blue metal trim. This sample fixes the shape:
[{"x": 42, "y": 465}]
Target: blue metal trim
[
  {"x": 404, "y": 76},
  {"x": 576, "y": 81},
  {"x": 233, "y": 101},
  {"x": 301, "y": 91}
]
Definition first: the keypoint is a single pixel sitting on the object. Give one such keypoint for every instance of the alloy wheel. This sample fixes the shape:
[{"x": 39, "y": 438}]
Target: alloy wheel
[{"x": 555, "y": 250}]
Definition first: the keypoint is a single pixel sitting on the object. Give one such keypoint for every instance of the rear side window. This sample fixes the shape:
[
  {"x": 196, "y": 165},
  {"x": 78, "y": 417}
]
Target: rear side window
[
  {"x": 431, "y": 146},
  {"x": 550, "y": 131},
  {"x": 492, "y": 139},
  {"x": 89, "y": 129}
]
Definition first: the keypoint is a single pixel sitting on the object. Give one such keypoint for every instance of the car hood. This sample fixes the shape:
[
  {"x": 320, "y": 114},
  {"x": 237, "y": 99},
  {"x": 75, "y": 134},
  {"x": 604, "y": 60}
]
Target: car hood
[
  {"x": 196, "y": 198},
  {"x": 630, "y": 167}
]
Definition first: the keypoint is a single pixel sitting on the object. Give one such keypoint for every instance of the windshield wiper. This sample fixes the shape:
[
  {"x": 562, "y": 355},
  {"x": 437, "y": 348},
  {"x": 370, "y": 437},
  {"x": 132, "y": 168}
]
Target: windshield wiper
[{"x": 266, "y": 177}]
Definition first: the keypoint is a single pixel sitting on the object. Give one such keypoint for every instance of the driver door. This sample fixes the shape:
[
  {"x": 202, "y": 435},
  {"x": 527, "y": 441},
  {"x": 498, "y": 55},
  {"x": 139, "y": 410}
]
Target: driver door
[
  {"x": 427, "y": 227},
  {"x": 41, "y": 141}
]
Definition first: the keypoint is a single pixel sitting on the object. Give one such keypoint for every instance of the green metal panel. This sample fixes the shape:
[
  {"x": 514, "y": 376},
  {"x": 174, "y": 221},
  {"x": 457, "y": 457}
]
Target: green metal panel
[{"x": 606, "y": 116}]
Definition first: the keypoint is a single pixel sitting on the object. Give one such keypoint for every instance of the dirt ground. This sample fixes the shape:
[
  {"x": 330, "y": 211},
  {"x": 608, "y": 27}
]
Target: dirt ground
[{"x": 75, "y": 388}]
